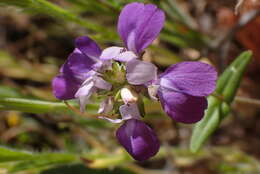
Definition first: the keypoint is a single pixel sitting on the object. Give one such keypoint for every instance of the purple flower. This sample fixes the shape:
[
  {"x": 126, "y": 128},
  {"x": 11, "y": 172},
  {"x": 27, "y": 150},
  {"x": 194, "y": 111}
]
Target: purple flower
[
  {"x": 183, "y": 87},
  {"x": 80, "y": 75},
  {"x": 138, "y": 25},
  {"x": 138, "y": 139},
  {"x": 182, "y": 90}
]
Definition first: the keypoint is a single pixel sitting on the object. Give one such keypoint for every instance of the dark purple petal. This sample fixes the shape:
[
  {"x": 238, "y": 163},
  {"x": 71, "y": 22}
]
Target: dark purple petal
[
  {"x": 139, "y": 25},
  {"x": 88, "y": 47},
  {"x": 193, "y": 78},
  {"x": 64, "y": 87},
  {"x": 182, "y": 107},
  {"x": 138, "y": 139},
  {"x": 78, "y": 65},
  {"x": 140, "y": 72}
]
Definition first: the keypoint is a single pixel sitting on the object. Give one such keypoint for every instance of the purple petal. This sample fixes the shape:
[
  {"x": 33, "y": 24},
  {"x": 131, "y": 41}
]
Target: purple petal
[
  {"x": 139, "y": 25},
  {"x": 88, "y": 47},
  {"x": 182, "y": 107},
  {"x": 64, "y": 87},
  {"x": 193, "y": 78},
  {"x": 78, "y": 65},
  {"x": 138, "y": 139},
  {"x": 139, "y": 72}
]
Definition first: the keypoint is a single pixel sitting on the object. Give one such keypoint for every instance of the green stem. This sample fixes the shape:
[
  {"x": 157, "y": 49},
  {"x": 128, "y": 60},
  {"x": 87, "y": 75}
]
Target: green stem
[{"x": 36, "y": 106}]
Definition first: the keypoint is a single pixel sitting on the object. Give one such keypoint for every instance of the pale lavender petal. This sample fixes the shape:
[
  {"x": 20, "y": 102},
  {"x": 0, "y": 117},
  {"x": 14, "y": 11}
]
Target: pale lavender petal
[
  {"x": 83, "y": 94},
  {"x": 182, "y": 107},
  {"x": 129, "y": 111},
  {"x": 138, "y": 139},
  {"x": 193, "y": 78},
  {"x": 88, "y": 47},
  {"x": 139, "y": 25},
  {"x": 139, "y": 72},
  {"x": 117, "y": 53},
  {"x": 102, "y": 84},
  {"x": 126, "y": 56},
  {"x": 111, "y": 53},
  {"x": 106, "y": 105},
  {"x": 64, "y": 87}
]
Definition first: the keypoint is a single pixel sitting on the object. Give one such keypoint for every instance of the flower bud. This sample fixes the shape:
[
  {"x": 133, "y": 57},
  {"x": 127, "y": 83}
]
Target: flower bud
[
  {"x": 138, "y": 139},
  {"x": 128, "y": 95}
]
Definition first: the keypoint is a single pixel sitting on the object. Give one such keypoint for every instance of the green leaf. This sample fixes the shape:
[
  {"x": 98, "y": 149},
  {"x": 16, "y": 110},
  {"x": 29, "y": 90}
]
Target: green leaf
[
  {"x": 8, "y": 154},
  {"x": 219, "y": 107},
  {"x": 44, "y": 160},
  {"x": 23, "y": 160},
  {"x": 175, "y": 12},
  {"x": 81, "y": 169}
]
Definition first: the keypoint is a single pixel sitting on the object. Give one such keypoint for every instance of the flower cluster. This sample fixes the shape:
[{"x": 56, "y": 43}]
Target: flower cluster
[{"x": 121, "y": 75}]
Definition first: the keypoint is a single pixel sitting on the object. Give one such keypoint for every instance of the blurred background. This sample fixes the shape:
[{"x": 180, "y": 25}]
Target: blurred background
[{"x": 39, "y": 134}]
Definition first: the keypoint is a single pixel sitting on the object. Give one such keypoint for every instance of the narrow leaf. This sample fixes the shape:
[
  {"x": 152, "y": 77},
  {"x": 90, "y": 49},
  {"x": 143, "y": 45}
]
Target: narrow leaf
[
  {"x": 218, "y": 109},
  {"x": 44, "y": 160},
  {"x": 8, "y": 154},
  {"x": 48, "y": 8}
]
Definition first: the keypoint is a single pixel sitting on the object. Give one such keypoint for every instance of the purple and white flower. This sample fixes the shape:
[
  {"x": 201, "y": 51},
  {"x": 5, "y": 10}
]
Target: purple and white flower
[
  {"x": 181, "y": 89},
  {"x": 80, "y": 75},
  {"x": 138, "y": 26}
]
